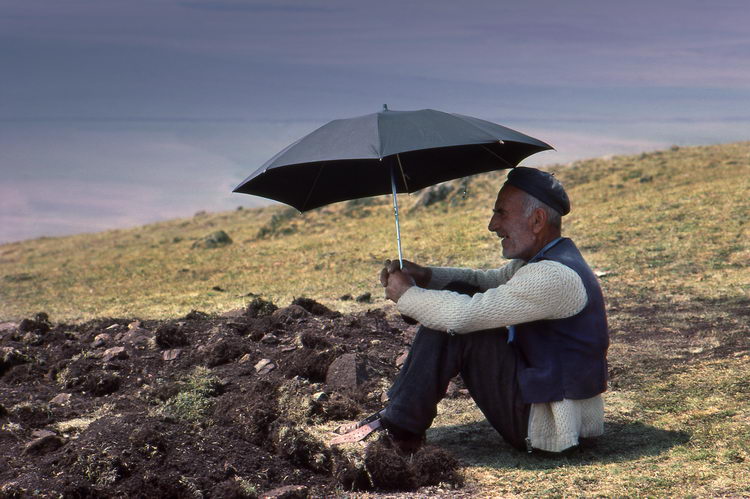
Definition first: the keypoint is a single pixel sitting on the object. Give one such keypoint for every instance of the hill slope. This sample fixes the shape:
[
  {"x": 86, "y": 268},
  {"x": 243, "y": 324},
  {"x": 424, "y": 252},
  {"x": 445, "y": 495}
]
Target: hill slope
[{"x": 668, "y": 223}]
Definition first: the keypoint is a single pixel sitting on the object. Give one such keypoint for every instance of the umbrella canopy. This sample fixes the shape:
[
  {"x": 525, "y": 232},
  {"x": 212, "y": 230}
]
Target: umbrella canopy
[{"x": 386, "y": 152}]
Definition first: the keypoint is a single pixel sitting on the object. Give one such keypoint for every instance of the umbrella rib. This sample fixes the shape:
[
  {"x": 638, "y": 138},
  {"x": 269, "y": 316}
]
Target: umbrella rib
[
  {"x": 403, "y": 175},
  {"x": 497, "y": 156},
  {"x": 312, "y": 187}
]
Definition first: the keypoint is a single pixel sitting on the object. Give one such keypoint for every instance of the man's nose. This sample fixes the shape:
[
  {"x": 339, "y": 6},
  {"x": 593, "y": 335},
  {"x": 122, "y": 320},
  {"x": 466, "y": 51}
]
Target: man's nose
[{"x": 492, "y": 226}]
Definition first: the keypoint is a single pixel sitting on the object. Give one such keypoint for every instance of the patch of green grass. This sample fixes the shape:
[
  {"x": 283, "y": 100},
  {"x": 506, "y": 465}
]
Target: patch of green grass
[{"x": 195, "y": 398}]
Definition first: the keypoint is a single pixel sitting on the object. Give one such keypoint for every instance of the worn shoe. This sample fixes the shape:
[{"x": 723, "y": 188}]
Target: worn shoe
[
  {"x": 349, "y": 427},
  {"x": 357, "y": 434},
  {"x": 354, "y": 432}
]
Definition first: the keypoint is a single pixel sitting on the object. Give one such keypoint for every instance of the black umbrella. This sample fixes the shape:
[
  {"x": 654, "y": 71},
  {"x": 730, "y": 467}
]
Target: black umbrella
[{"x": 386, "y": 152}]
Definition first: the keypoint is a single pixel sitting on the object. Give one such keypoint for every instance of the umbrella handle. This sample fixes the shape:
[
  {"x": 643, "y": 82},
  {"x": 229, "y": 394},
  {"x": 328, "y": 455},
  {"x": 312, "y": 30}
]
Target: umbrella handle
[{"x": 395, "y": 212}]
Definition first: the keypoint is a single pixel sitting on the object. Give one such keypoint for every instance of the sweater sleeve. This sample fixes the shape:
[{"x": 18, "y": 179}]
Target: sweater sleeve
[
  {"x": 540, "y": 290},
  {"x": 483, "y": 279}
]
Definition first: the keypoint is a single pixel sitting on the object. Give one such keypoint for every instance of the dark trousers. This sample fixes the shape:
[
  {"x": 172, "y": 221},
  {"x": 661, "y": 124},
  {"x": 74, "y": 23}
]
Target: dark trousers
[{"x": 487, "y": 365}]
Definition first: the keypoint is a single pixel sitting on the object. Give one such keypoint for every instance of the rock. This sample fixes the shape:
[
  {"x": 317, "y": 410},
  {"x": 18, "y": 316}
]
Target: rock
[
  {"x": 345, "y": 297},
  {"x": 61, "y": 399},
  {"x": 264, "y": 366},
  {"x": 320, "y": 396},
  {"x": 245, "y": 359},
  {"x": 115, "y": 353},
  {"x": 171, "y": 354},
  {"x": 42, "y": 433},
  {"x": 270, "y": 339},
  {"x": 286, "y": 492},
  {"x": 8, "y": 326},
  {"x": 101, "y": 339},
  {"x": 214, "y": 240},
  {"x": 433, "y": 194},
  {"x": 43, "y": 445},
  {"x": 348, "y": 371},
  {"x": 137, "y": 337}
]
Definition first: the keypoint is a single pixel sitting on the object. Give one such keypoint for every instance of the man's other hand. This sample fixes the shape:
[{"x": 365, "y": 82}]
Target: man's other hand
[{"x": 398, "y": 282}]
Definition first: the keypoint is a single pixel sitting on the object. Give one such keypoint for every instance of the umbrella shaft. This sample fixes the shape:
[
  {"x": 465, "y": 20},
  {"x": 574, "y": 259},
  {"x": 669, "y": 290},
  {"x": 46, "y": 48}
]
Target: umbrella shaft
[{"x": 395, "y": 212}]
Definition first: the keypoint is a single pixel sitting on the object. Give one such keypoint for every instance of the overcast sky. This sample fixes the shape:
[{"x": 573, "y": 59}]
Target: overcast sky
[{"x": 115, "y": 113}]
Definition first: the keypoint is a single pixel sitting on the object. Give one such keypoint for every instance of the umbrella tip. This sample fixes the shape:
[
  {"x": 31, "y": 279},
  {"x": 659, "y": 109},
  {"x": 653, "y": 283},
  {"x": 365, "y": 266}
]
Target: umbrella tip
[{"x": 385, "y": 107}]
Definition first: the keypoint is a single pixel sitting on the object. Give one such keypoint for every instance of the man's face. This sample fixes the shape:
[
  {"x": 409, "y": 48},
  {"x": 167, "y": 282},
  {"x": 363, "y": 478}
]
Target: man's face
[{"x": 511, "y": 224}]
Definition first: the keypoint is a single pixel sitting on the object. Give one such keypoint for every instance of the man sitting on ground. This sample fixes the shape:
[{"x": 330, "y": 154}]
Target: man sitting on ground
[{"x": 529, "y": 339}]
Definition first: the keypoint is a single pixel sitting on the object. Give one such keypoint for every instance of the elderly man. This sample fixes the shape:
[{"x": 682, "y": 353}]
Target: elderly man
[{"x": 529, "y": 339}]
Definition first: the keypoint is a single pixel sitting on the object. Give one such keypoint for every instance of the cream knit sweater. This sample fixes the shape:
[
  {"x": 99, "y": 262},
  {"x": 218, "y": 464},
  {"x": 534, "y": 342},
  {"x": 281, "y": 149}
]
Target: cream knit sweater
[{"x": 513, "y": 294}]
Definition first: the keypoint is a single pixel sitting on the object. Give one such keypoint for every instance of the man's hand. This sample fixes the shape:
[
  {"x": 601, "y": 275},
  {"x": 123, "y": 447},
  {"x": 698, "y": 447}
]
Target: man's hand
[
  {"x": 420, "y": 274},
  {"x": 397, "y": 281}
]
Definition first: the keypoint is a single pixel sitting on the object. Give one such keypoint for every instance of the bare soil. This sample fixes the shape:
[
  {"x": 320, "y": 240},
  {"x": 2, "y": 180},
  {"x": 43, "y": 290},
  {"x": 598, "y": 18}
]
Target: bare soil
[
  {"x": 228, "y": 406},
  {"x": 201, "y": 406}
]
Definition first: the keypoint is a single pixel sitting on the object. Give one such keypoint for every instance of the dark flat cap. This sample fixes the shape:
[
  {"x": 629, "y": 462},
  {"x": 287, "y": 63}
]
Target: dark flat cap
[{"x": 542, "y": 185}]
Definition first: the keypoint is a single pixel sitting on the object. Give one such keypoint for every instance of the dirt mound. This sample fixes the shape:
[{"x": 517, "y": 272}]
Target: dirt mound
[
  {"x": 217, "y": 406},
  {"x": 390, "y": 469}
]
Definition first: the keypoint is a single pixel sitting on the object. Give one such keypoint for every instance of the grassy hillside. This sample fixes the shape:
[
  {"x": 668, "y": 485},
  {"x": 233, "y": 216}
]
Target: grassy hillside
[
  {"x": 668, "y": 231},
  {"x": 669, "y": 224}
]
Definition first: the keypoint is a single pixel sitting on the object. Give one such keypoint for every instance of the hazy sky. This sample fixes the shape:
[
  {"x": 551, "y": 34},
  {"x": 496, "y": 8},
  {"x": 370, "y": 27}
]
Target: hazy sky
[{"x": 115, "y": 113}]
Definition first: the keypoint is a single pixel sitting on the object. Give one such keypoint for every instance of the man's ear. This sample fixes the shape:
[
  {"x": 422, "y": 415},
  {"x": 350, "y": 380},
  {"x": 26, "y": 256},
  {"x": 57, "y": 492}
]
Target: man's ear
[{"x": 538, "y": 220}]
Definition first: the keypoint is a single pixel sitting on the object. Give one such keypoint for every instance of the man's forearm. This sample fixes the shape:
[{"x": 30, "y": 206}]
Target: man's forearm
[
  {"x": 482, "y": 279},
  {"x": 544, "y": 291}
]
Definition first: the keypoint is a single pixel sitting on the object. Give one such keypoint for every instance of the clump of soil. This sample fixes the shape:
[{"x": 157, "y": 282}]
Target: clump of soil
[
  {"x": 314, "y": 307},
  {"x": 203, "y": 405},
  {"x": 170, "y": 335},
  {"x": 390, "y": 469}
]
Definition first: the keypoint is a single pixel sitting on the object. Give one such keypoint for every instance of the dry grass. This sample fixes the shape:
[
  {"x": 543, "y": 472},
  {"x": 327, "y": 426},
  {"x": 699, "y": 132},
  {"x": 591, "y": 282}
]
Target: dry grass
[
  {"x": 686, "y": 434},
  {"x": 669, "y": 229}
]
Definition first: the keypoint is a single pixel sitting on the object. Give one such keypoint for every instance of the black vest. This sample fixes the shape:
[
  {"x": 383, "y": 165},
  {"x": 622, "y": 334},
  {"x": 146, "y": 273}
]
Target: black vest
[{"x": 565, "y": 358}]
